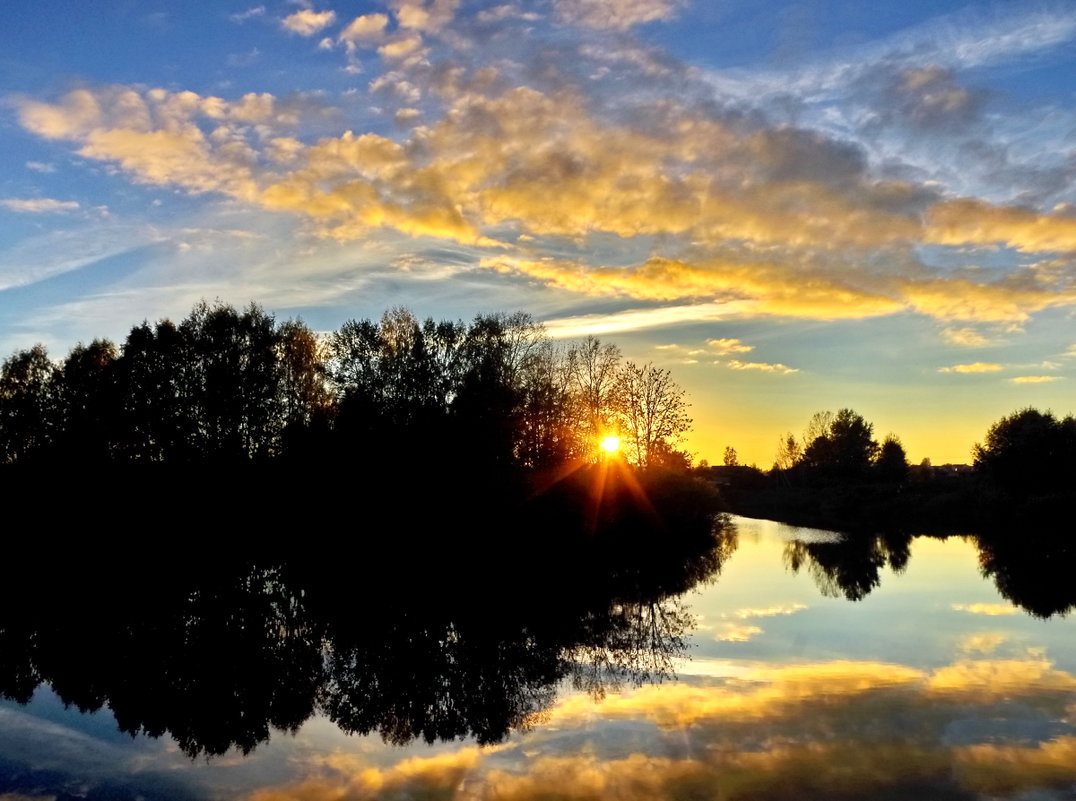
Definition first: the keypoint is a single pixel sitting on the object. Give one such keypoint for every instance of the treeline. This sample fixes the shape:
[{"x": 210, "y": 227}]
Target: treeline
[
  {"x": 226, "y": 386},
  {"x": 839, "y": 475}
]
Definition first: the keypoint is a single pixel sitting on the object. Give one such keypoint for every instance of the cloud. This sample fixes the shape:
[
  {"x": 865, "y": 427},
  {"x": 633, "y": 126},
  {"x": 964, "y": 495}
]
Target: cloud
[
  {"x": 400, "y": 47},
  {"x": 762, "y": 367},
  {"x": 725, "y": 346},
  {"x": 638, "y": 319},
  {"x": 976, "y": 222},
  {"x": 782, "y": 222},
  {"x": 770, "y": 611},
  {"x": 976, "y": 367},
  {"x": 727, "y": 631},
  {"x": 40, "y": 205},
  {"x": 964, "y": 337},
  {"x": 424, "y": 15},
  {"x": 365, "y": 29},
  {"x": 1035, "y": 379},
  {"x": 986, "y": 642},
  {"x": 307, "y": 22},
  {"x": 987, "y": 609},
  {"x": 39, "y": 166},
  {"x": 614, "y": 14},
  {"x": 250, "y": 13}
]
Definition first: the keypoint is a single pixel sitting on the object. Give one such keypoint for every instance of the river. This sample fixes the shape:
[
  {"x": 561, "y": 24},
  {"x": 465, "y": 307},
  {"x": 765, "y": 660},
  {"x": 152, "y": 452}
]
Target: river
[{"x": 797, "y": 668}]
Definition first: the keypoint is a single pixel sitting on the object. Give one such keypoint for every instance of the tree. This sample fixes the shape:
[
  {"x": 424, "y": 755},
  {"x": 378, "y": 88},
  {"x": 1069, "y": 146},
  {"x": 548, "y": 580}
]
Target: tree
[
  {"x": 891, "y": 466},
  {"x": 1029, "y": 452},
  {"x": 845, "y": 449},
  {"x": 789, "y": 452},
  {"x": 652, "y": 411},
  {"x": 592, "y": 377},
  {"x": 28, "y": 404},
  {"x": 731, "y": 459},
  {"x": 89, "y": 402}
]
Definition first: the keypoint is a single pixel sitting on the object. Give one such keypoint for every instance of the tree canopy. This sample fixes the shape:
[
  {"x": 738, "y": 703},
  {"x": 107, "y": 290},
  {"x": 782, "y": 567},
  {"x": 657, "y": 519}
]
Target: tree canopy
[{"x": 231, "y": 386}]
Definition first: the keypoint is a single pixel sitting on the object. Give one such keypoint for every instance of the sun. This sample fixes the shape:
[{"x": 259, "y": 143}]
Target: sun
[{"x": 611, "y": 444}]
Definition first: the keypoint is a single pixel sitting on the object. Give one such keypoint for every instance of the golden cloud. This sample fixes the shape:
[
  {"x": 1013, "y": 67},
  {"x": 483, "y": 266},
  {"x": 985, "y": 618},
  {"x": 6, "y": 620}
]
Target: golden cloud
[
  {"x": 725, "y": 346},
  {"x": 970, "y": 221},
  {"x": 778, "y": 732},
  {"x": 771, "y": 611},
  {"x": 987, "y": 609},
  {"x": 306, "y": 22},
  {"x": 975, "y": 367},
  {"x": 1035, "y": 379},
  {"x": 775, "y": 222}
]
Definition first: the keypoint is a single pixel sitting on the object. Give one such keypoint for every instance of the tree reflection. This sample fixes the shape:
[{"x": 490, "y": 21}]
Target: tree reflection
[
  {"x": 468, "y": 636},
  {"x": 1034, "y": 570},
  {"x": 851, "y": 566}
]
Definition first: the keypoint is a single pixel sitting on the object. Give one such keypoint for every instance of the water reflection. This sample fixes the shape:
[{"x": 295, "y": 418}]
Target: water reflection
[
  {"x": 432, "y": 646},
  {"x": 932, "y": 685}
]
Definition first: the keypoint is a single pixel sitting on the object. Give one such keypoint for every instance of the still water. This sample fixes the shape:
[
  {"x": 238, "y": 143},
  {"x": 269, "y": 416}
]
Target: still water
[{"x": 797, "y": 667}]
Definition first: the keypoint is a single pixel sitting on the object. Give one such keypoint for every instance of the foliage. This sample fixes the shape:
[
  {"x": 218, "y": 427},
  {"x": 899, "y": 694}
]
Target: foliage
[
  {"x": 891, "y": 466},
  {"x": 1029, "y": 452},
  {"x": 844, "y": 448}
]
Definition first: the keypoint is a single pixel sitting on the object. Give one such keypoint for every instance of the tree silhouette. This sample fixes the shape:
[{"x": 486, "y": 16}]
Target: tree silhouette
[
  {"x": 1029, "y": 452},
  {"x": 29, "y": 405},
  {"x": 652, "y": 410}
]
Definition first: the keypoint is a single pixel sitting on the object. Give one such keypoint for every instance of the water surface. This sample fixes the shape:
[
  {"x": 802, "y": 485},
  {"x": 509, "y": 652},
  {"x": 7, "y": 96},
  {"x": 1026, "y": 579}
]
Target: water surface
[{"x": 892, "y": 668}]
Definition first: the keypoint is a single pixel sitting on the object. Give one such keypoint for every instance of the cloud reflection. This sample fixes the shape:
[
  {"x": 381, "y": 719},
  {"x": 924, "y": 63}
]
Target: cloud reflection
[{"x": 834, "y": 729}]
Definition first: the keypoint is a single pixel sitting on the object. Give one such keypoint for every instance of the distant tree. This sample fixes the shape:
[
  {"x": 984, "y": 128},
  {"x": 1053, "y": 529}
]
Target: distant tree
[
  {"x": 731, "y": 460},
  {"x": 653, "y": 411},
  {"x": 891, "y": 466},
  {"x": 845, "y": 450},
  {"x": 1029, "y": 452},
  {"x": 789, "y": 452}
]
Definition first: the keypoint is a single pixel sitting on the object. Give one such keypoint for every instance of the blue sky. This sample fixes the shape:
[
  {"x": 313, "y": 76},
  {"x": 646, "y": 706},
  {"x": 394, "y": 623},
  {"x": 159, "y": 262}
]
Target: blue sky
[{"x": 792, "y": 206}]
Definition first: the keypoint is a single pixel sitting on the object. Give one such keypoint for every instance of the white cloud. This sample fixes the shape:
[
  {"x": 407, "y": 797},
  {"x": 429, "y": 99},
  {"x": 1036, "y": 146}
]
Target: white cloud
[
  {"x": 250, "y": 13},
  {"x": 41, "y": 205}
]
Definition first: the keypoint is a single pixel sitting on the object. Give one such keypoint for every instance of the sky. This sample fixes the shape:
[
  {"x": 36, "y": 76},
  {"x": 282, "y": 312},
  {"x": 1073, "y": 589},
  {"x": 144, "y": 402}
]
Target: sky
[{"x": 793, "y": 206}]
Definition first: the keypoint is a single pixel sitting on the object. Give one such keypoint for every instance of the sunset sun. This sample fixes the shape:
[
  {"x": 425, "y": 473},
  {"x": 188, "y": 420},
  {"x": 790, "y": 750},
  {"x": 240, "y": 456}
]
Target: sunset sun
[{"x": 611, "y": 444}]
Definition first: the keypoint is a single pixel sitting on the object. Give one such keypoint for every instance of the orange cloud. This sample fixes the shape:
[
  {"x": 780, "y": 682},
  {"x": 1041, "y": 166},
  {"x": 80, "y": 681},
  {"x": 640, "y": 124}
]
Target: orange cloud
[{"x": 1035, "y": 379}]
